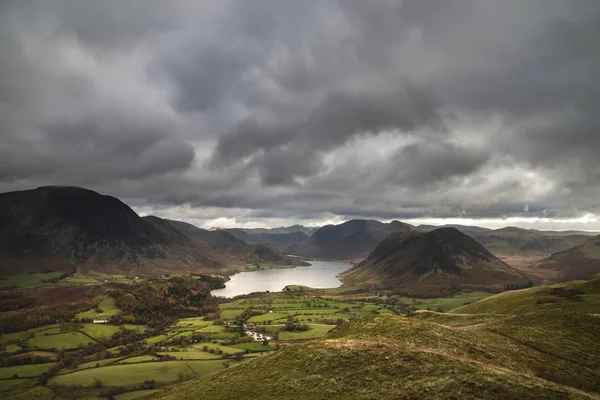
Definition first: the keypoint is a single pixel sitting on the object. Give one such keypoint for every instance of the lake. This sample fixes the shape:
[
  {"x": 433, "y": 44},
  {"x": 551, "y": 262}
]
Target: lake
[{"x": 321, "y": 274}]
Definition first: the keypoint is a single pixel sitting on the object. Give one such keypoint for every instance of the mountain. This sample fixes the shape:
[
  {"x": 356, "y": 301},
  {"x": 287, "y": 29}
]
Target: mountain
[
  {"x": 526, "y": 242},
  {"x": 281, "y": 240},
  {"x": 579, "y": 262},
  {"x": 69, "y": 228},
  {"x": 251, "y": 253},
  {"x": 467, "y": 229},
  {"x": 549, "y": 354},
  {"x": 352, "y": 239},
  {"x": 307, "y": 230},
  {"x": 443, "y": 257}
]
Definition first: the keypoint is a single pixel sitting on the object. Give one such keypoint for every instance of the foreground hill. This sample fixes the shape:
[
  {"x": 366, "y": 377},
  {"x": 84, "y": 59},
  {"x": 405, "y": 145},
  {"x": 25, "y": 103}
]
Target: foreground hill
[
  {"x": 544, "y": 355},
  {"x": 67, "y": 228},
  {"x": 578, "y": 296},
  {"x": 526, "y": 242},
  {"x": 443, "y": 257},
  {"x": 352, "y": 239},
  {"x": 579, "y": 262}
]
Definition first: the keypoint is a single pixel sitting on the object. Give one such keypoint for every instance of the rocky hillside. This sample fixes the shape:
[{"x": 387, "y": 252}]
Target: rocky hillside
[
  {"x": 444, "y": 256},
  {"x": 350, "y": 240}
]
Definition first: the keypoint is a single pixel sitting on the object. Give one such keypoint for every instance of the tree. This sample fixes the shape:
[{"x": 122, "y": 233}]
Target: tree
[{"x": 98, "y": 383}]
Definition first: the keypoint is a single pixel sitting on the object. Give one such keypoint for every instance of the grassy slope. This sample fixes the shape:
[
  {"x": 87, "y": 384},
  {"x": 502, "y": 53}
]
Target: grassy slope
[
  {"x": 550, "y": 353},
  {"x": 579, "y": 296}
]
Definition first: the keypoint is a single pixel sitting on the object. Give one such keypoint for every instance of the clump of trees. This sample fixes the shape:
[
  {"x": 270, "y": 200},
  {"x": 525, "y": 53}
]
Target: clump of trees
[
  {"x": 294, "y": 325},
  {"x": 518, "y": 286},
  {"x": 159, "y": 303}
]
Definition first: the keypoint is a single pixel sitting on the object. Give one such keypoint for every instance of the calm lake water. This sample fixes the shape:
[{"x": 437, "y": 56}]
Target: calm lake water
[{"x": 321, "y": 274}]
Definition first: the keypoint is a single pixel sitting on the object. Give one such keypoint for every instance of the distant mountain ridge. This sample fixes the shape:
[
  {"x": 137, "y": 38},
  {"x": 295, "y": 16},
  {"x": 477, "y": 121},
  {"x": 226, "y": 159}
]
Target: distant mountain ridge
[
  {"x": 444, "y": 256},
  {"x": 281, "y": 240},
  {"x": 526, "y": 242},
  {"x": 66, "y": 228},
  {"x": 352, "y": 239}
]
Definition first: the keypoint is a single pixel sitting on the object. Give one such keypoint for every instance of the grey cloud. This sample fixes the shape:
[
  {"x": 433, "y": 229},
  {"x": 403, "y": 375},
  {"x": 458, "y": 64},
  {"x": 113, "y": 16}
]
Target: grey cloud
[{"x": 283, "y": 109}]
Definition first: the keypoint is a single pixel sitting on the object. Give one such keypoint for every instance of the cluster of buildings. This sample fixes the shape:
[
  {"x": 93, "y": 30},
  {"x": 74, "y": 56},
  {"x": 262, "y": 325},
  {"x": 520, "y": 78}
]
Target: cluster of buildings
[{"x": 258, "y": 337}]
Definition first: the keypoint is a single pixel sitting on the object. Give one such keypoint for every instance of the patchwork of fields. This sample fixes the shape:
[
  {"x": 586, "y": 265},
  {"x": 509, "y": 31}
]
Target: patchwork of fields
[{"x": 78, "y": 359}]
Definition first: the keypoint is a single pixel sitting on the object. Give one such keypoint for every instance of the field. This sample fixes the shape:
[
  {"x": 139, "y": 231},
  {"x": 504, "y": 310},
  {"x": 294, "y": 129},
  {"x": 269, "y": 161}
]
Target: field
[
  {"x": 28, "y": 280},
  {"x": 124, "y": 375},
  {"x": 107, "y": 307},
  {"x": 61, "y": 341},
  {"x": 24, "y": 371}
]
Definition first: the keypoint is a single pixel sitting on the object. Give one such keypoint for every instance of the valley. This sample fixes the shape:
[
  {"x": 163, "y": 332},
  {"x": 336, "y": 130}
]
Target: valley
[{"x": 158, "y": 308}]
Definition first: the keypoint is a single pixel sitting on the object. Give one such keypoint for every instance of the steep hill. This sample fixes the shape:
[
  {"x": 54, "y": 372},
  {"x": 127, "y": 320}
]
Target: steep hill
[
  {"x": 443, "y": 257},
  {"x": 579, "y": 262},
  {"x": 548, "y": 355},
  {"x": 68, "y": 228},
  {"x": 526, "y": 242},
  {"x": 352, "y": 239}
]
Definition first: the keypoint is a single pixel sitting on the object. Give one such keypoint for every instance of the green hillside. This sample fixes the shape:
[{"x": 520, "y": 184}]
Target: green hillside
[
  {"x": 578, "y": 296},
  {"x": 547, "y": 354}
]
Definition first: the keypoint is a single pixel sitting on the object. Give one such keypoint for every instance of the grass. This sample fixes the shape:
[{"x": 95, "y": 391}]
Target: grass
[
  {"x": 578, "y": 296},
  {"x": 10, "y": 384},
  {"x": 422, "y": 356},
  {"x": 134, "y": 395},
  {"x": 131, "y": 374},
  {"x": 63, "y": 341},
  {"x": 268, "y": 317},
  {"x": 40, "y": 393},
  {"x": 108, "y": 310},
  {"x": 28, "y": 280},
  {"x": 25, "y": 371},
  {"x": 254, "y": 347},
  {"x": 92, "y": 364},
  {"x": 104, "y": 331},
  {"x": 11, "y": 348}
]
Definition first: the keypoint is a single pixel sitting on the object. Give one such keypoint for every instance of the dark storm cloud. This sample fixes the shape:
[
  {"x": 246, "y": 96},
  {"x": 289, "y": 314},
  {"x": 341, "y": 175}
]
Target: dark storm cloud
[{"x": 385, "y": 108}]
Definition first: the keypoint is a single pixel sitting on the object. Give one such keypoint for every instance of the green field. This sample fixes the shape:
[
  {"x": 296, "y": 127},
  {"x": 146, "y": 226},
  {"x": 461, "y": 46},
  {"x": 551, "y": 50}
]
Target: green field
[
  {"x": 10, "y": 384},
  {"x": 25, "y": 371},
  {"x": 62, "y": 341},
  {"x": 130, "y": 374},
  {"x": 134, "y": 395},
  {"x": 108, "y": 310},
  {"x": 40, "y": 393},
  {"x": 28, "y": 280}
]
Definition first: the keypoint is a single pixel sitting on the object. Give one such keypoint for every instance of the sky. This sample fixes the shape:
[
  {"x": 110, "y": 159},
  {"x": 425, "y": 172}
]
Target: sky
[{"x": 269, "y": 113}]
